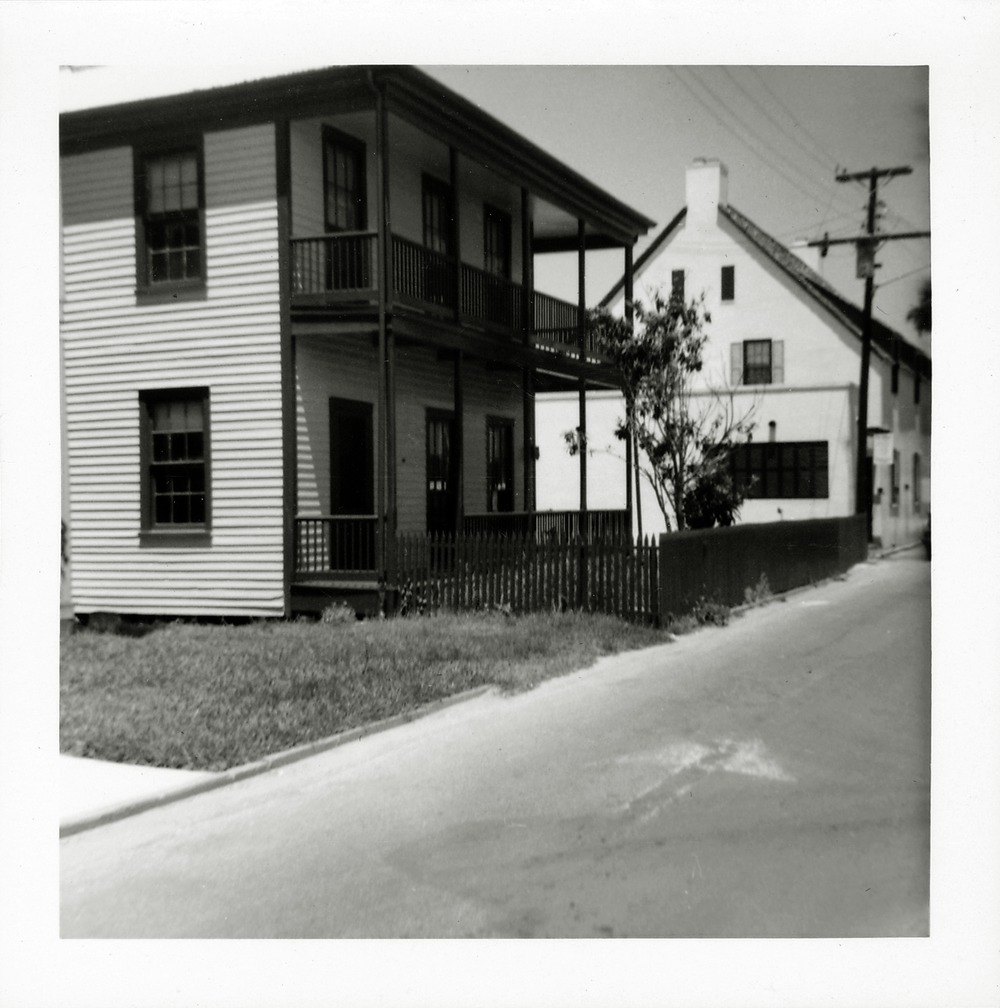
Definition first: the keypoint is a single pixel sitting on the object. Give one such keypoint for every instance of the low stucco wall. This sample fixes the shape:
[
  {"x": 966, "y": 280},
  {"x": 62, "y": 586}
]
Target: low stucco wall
[{"x": 720, "y": 564}]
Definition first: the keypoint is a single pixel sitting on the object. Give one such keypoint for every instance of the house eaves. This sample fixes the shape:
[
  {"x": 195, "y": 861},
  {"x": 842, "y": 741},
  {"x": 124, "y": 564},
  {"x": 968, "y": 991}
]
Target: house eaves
[
  {"x": 890, "y": 342},
  {"x": 886, "y": 339},
  {"x": 409, "y": 92}
]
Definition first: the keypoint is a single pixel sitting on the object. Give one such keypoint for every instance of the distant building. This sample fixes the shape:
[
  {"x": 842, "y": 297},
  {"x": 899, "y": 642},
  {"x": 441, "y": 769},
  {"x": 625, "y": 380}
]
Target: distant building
[
  {"x": 298, "y": 318},
  {"x": 788, "y": 345}
]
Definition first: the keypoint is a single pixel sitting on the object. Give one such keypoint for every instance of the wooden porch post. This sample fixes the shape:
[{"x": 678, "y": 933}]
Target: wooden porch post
[
  {"x": 581, "y": 325},
  {"x": 629, "y": 448},
  {"x": 386, "y": 468},
  {"x": 528, "y": 374},
  {"x": 456, "y": 231},
  {"x": 458, "y": 449}
]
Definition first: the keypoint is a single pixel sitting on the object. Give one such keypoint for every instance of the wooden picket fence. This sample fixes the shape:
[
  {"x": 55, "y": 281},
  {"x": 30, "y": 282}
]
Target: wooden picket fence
[{"x": 521, "y": 575}]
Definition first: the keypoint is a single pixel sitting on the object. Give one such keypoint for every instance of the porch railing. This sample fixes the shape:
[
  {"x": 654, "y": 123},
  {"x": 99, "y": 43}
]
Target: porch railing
[
  {"x": 549, "y": 526},
  {"x": 342, "y": 266},
  {"x": 335, "y": 544},
  {"x": 337, "y": 264},
  {"x": 421, "y": 273}
]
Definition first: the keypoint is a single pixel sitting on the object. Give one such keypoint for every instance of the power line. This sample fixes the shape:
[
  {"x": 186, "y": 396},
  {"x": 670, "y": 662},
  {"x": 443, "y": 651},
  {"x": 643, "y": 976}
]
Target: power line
[
  {"x": 795, "y": 119},
  {"x": 743, "y": 139},
  {"x": 822, "y": 162}
]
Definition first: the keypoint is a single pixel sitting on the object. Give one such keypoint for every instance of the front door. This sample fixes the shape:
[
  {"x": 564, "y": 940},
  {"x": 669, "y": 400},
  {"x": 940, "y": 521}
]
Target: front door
[
  {"x": 352, "y": 486},
  {"x": 442, "y": 502}
]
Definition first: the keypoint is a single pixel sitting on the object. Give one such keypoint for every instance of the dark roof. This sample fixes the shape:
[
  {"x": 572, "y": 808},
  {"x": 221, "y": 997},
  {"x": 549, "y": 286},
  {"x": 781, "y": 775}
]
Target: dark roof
[
  {"x": 884, "y": 337},
  {"x": 409, "y": 92}
]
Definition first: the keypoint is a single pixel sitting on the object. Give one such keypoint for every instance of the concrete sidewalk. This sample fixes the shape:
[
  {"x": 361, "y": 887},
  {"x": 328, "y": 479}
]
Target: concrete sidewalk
[{"x": 93, "y": 791}]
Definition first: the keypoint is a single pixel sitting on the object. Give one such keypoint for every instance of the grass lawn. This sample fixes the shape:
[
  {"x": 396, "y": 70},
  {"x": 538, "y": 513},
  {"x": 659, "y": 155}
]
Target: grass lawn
[{"x": 213, "y": 697}]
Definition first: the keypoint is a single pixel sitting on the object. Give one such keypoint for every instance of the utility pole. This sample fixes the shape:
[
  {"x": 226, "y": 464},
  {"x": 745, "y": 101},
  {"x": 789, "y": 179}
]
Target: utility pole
[{"x": 866, "y": 246}]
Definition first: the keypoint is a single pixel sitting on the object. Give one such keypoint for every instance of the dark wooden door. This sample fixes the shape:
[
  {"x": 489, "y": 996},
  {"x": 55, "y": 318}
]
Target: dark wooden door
[
  {"x": 352, "y": 468},
  {"x": 442, "y": 503}
]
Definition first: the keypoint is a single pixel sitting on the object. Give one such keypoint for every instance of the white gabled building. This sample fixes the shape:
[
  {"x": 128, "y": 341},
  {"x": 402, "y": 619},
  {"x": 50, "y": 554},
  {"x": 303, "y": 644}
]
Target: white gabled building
[{"x": 789, "y": 346}]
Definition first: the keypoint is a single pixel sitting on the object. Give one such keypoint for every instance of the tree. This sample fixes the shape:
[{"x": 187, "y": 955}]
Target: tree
[
  {"x": 684, "y": 439},
  {"x": 920, "y": 313}
]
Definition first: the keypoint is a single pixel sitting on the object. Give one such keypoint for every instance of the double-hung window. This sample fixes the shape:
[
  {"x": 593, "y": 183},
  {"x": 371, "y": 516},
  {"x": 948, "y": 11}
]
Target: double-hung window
[
  {"x": 499, "y": 464},
  {"x": 438, "y": 216},
  {"x": 496, "y": 242},
  {"x": 344, "y": 186},
  {"x": 758, "y": 362},
  {"x": 677, "y": 284},
  {"x": 175, "y": 460},
  {"x": 171, "y": 233}
]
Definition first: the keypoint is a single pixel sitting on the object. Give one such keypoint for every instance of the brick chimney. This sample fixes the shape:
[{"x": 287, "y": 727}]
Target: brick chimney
[{"x": 707, "y": 188}]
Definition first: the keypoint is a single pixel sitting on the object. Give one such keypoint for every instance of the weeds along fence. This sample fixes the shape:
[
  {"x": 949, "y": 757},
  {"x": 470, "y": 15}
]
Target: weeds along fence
[{"x": 521, "y": 575}]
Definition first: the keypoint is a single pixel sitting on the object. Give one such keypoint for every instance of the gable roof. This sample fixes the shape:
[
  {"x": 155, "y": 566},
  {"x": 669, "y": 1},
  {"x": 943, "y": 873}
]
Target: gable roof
[{"x": 884, "y": 337}]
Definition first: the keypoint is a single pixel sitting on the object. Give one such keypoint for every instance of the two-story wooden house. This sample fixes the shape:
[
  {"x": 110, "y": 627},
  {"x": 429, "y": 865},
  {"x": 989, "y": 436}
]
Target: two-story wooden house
[{"x": 298, "y": 318}]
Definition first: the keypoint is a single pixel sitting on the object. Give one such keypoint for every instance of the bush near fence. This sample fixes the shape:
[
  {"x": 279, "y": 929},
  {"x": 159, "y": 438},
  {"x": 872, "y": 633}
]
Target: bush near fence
[{"x": 720, "y": 564}]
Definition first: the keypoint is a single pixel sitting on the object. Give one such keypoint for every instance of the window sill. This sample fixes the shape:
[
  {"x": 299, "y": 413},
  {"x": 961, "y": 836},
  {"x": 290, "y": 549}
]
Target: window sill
[
  {"x": 169, "y": 293},
  {"x": 175, "y": 539}
]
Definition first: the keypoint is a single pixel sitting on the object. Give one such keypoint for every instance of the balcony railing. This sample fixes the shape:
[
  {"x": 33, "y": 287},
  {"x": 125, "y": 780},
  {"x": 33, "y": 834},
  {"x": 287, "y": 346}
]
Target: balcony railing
[
  {"x": 337, "y": 266},
  {"x": 344, "y": 266}
]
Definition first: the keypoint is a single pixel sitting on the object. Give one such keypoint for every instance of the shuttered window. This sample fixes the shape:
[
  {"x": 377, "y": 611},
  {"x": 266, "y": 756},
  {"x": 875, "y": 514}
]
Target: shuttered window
[
  {"x": 170, "y": 201},
  {"x": 781, "y": 469},
  {"x": 757, "y": 362}
]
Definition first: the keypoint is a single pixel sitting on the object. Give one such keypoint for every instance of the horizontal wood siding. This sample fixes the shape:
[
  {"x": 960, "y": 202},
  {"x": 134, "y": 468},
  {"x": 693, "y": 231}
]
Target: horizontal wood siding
[
  {"x": 341, "y": 366},
  {"x": 346, "y": 367},
  {"x": 227, "y": 340}
]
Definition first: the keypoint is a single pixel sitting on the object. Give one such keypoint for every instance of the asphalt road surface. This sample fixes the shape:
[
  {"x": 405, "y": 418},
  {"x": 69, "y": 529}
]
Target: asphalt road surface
[{"x": 768, "y": 779}]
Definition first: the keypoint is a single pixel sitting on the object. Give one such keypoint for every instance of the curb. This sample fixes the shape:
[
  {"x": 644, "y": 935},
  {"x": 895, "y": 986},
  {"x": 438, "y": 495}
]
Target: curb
[{"x": 272, "y": 762}]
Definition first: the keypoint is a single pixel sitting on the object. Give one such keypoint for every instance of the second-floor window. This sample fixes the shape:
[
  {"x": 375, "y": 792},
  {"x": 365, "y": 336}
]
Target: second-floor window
[
  {"x": 344, "y": 182},
  {"x": 758, "y": 362},
  {"x": 170, "y": 207},
  {"x": 438, "y": 216},
  {"x": 496, "y": 242}
]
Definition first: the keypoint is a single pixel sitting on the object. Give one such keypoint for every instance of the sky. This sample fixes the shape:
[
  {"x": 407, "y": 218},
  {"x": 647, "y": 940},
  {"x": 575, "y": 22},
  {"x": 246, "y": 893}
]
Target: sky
[{"x": 783, "y": 132}]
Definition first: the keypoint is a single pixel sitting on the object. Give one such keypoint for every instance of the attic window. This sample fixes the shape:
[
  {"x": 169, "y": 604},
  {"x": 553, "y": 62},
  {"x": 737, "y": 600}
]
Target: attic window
[{"x": 728, "y": 283}]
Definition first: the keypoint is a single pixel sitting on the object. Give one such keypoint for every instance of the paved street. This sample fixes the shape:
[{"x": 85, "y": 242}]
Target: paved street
[{"x": 766, "y": 779}]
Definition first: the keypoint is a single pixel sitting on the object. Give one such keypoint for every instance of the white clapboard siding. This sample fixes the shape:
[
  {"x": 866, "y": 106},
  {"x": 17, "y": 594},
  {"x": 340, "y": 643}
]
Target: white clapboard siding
[{"x": 228, "y": 341}]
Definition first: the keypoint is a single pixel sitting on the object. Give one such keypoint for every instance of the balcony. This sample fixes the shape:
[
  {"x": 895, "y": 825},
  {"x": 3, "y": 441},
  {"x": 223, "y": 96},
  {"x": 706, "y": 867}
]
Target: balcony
[{"x": 341, "y": 269}]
